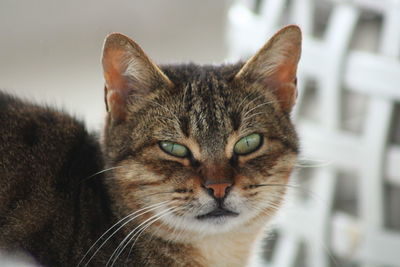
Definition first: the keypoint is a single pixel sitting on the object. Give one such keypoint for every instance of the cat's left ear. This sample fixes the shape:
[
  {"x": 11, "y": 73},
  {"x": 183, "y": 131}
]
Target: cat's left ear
[
  {"x": 274, "y": 66},
  {"x": 128, "y": 73}
]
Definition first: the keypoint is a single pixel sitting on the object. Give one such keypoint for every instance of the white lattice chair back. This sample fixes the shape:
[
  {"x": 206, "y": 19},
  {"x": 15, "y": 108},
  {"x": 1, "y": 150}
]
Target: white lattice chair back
[{"x": 348, "y": 119}]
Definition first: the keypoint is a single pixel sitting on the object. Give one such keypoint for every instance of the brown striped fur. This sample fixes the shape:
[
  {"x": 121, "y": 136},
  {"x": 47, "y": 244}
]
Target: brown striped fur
[{"x": 51, "y": 197}]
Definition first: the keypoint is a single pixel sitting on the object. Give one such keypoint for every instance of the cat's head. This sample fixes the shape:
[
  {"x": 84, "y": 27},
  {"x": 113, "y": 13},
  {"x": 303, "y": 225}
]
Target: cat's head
[{"x": 202, "y": 148}]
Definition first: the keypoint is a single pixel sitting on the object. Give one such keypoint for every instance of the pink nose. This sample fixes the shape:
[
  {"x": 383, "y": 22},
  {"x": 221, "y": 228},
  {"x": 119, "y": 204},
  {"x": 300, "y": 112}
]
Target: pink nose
[{"x": 218, "y": 190}]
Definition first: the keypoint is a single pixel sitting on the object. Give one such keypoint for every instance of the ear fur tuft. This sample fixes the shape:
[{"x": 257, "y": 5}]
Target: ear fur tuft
[
  {"x": 127, "y": 71},
  {"x": 275, "y": 65}
]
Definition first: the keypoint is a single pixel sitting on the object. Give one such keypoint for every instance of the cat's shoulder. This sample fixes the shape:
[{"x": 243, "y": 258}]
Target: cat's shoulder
[
  {"x": 32, "y": 124},
  {"x": 46, "y": 159},
  {"x": 41, "y": 138}
]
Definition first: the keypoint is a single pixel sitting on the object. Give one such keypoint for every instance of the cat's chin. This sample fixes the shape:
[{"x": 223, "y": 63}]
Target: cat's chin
[
  {"x": 218, "y": 213},
  {"x": 220, "y": 222},
  {"x": 211, "y": 223},
  {"x": 206, "y": 225}
]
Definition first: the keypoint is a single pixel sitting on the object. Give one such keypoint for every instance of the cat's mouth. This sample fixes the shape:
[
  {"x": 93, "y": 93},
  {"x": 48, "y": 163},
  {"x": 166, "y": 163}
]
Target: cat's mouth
[{"x": 217, "y": 213}]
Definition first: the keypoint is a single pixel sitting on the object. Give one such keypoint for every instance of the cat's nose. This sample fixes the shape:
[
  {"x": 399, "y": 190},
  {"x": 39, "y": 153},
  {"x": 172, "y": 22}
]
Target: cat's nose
[{"x": 218, "y": 190}]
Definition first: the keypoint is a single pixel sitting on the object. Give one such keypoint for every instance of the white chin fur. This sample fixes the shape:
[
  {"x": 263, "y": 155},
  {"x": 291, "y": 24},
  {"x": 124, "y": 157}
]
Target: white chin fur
[{"x": 208, "y": 226}]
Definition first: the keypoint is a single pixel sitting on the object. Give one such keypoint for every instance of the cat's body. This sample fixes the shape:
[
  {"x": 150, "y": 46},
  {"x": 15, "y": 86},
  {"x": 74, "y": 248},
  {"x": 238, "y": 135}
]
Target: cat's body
[
  {"x": 192, "y": 164},
  {"x": 48, "y": 209},
  {"x": 57, "y": 211}
]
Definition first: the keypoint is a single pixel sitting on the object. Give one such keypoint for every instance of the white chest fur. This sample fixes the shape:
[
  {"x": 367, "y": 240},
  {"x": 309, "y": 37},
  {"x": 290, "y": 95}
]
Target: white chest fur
[{"x": 229, "y": 249}]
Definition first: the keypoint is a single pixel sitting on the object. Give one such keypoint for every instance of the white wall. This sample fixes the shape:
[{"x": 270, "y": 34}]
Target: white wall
[{"x": 50, "y": 50}]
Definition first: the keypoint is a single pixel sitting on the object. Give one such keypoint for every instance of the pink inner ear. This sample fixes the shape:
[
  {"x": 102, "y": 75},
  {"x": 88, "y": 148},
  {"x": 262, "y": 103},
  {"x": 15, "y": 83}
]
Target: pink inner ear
[
  {"x": 285, "y": 73},
  {"x": 283, "y": 80},
  {"x": 286, "y": 67},
  {"x": 113, "y": 70},
  {"x": 286, "y": 93},
  {"x": 116, "y": 84},
  {"x": 117, "y": 104}
]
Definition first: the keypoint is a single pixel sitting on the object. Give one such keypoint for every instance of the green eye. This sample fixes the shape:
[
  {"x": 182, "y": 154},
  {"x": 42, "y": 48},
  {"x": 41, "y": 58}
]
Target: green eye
[
  {"x": 247, "y": 144},
  {"x": 174, "y": 149}
]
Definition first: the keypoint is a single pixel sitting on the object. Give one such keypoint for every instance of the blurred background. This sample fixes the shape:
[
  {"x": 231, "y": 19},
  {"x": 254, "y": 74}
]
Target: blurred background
[
  {"x": 50, "y": 50},
  {"x": 344, "y": 208}
]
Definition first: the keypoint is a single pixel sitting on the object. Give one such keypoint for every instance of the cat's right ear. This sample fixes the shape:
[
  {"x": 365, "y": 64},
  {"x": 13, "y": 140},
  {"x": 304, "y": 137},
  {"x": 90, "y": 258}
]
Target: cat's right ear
[{"x": 128, "y": 73}]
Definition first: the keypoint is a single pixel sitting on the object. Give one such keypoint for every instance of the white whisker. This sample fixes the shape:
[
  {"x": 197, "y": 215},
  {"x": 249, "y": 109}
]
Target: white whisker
[
  {"x": 123, "y": 243},
  {"x": 256, "y": 107},
  {"x": 245, "y": 98},
  {"x": 139, "y": 233},
  {"x": 251, "y": 101},
  {"x": 251, "y": 116},
  {"x": 127, "y": 219},
  {"x": 102, "y": 171},
  {"x": 307, "y": 163}
]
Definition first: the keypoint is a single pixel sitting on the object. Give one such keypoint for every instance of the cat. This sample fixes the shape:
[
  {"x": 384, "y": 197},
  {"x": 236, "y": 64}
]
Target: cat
[{"x": 191, "y": 166}]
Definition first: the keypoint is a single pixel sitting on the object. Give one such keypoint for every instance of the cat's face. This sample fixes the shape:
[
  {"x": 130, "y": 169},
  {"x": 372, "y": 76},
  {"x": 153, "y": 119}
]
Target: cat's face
[{"x": 200, "y": 148}]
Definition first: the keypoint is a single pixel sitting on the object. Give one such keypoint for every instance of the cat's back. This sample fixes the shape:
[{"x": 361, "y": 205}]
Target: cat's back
[
  {"x": 45, "y": 155},
  {"x": 36, "y": 140},
  {"x": 31, "y": 133}
]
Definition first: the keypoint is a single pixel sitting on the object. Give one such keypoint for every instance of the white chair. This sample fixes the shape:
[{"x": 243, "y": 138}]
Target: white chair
[{"x": 348, "y": 117}]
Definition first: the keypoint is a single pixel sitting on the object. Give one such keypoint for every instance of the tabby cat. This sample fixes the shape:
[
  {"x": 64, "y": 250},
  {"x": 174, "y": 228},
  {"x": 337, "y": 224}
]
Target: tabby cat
[{"x": 191, "y": 166}]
